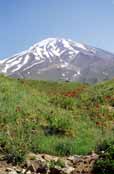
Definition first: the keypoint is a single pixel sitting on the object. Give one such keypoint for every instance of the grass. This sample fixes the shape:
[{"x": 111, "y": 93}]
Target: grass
[{"x": 58, "y": 118}]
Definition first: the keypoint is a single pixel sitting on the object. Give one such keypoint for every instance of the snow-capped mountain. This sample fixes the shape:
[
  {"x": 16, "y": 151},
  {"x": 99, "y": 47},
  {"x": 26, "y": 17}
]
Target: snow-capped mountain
[{"x": 60, "y": 59}]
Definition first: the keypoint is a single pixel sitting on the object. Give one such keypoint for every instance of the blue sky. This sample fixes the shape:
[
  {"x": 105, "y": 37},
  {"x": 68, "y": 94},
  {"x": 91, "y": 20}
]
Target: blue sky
[{"x": 25, "y": 22}]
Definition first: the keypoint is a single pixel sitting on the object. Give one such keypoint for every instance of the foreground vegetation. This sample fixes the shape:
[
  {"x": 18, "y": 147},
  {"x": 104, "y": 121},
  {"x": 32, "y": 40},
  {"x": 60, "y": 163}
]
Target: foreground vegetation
[
  {"x": 54, "y": 117},
  {"x": 105, "y": 163}
]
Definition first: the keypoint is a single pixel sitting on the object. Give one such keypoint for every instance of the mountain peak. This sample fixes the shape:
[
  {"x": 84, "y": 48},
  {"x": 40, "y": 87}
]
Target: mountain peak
[
  {"x": 60, "y": 59},
  {"x": 56, "y": 41}
]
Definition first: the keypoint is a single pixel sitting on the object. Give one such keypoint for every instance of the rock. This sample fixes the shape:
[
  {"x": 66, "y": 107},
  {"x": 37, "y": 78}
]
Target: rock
[
  {"x": 68, "y": 163},
  {"x": 23, "y": 171},
  {"x": 19, "y": 170},
  {"x": 54, "y": 170},
  {"x": 12, "y": 172},
  {"x": 29, "y": 169},
  {"x": 42, "y": 170},
  {"x": 29, "y": 172},
  {"x": 68, "y": 170},
  {"x": 49, "y": 157},
  {"x": 75, "y": 159},
  {"x": 48, "y": 164},
  {"x": 8, "y": 169},
  {"x": 37, "y": 166}
]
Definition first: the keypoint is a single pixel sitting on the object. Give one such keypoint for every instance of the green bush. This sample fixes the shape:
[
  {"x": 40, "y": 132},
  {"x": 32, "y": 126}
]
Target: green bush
[
  {"x": 105, "y": 163},
  {"x": 59, "y": 163},
  {"x": 67, "y": 103},
  {"x": 65, "y": 148},
  {"x": 60, "y": 124}
]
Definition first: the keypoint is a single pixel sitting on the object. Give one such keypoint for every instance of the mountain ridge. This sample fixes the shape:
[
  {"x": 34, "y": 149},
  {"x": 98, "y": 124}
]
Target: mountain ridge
[{"x": 60, "y": 59}]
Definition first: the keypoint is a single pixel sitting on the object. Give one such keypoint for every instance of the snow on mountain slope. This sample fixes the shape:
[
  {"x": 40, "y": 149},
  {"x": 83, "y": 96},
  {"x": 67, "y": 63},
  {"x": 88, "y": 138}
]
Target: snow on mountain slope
[{"x": 60, "y": 59}]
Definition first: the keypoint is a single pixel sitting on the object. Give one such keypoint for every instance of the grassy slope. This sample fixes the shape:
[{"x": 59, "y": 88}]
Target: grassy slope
[{"x": 57, "y": 118}]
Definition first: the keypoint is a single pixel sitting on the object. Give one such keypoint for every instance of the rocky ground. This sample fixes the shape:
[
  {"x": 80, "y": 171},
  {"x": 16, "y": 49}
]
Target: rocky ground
[{"x": 47, "y": 164}]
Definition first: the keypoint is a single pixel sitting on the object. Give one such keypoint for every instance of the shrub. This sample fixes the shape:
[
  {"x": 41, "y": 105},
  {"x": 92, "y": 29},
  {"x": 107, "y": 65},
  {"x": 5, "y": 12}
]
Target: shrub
[
  {"x": 105, "y": 163},
  {"x": 60, "y": 124},
  {"x": 63, "y": 102},
  {"x": 59, "y": 163},
  {"x": 66, "y": 148}
]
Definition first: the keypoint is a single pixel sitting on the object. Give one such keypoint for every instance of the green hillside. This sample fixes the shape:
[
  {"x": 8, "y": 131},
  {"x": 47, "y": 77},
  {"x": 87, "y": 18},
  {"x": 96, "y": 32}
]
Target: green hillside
[{"x": 56, "y": 118}]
